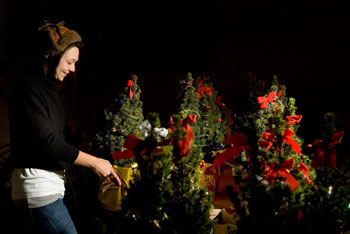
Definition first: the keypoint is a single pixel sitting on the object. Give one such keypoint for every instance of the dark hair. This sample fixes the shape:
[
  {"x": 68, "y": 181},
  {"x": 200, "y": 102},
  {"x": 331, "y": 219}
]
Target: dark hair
[{"x": 53, "y": 61}]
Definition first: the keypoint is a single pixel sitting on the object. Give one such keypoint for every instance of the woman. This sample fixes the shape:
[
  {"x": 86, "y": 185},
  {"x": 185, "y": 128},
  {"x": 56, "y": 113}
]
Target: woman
[{"x": 39, "y": 150}]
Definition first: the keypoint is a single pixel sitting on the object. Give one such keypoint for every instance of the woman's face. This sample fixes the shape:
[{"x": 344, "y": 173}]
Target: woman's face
[{"x": 67, "y": 63}]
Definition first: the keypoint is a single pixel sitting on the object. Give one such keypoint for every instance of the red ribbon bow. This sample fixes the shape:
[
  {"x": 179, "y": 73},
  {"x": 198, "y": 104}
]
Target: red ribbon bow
[
  {"x": 264, "y": 101},
  {"x": 130, "y": 144},
  {"x": 287, "y": 137},
  {"x": 202, "y": 89},
  {"x": 269, "y": 137},
  {"x": 186, "y": 143},
  {"x": 291, "y": 120},
  {"x": 282, "y": 169},
  {"x": 239, "y": 143},
  {"x": 324, "y": 151},
  {"x": 219, "y": 103},
  {"x": 130, "y": 85}
]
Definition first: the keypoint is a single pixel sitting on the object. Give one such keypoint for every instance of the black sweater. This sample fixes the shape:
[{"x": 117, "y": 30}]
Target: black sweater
[{"x": 37, "y": 121}]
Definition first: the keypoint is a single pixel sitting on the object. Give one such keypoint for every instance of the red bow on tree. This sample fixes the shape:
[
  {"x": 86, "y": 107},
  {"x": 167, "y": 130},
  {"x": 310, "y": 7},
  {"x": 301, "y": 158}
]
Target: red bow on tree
[
  {"x": 202, "y": 89},
  {"x": 287, "y": 137},
  {"x": 325, "y": 150},
  {"x": 291, "y": 120},
  {"x": 130, "y": 85},
  {"x": 186, "y": 143},
  {"x": 238, "y": 143},
  {"x": 272, "y": 171},
  {"x": 130, "y": 144},
  {"x": 219, "y": 103},
  {"x": 269, "y": 137},
  {"x": 264, "y": 101}
]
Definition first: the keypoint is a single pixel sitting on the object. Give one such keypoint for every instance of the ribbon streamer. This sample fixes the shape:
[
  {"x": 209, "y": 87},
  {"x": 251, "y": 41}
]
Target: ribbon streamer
[
  {"x": 303, "y": 168},
  {"x": 130, "y": 85},
  {"x": 186, "y": 143},
  {"x": 287, "y": 137}
]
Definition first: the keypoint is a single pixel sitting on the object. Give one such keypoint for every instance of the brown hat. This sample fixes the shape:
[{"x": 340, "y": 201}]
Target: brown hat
[{"x": 60, "y": 36}]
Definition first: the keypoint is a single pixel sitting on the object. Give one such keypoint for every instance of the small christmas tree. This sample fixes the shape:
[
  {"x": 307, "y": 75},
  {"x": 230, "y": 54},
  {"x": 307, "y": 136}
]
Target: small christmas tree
[
  {"x": 202, "y": 99},
  {"x": 166, "y": 196},
  {"x": 328, "y": 208},
  {"x": 122, "y": 118},
  {"x": 272, "y": 174}
]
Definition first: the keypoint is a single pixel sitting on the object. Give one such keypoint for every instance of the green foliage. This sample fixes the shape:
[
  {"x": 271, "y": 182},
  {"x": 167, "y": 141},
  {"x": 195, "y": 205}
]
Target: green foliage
[
  {"x": 123, "y": 117},
  {"x": 166, "y": 196},
  {"x": 200, "y": 98},
  {"x": 328, "y": 207},
  {"x": 265, "y": 202}
]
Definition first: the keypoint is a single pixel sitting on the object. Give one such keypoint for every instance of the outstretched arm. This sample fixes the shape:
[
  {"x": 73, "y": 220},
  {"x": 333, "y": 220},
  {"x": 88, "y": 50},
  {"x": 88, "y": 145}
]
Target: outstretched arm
[{"x": 100, "y": 166}]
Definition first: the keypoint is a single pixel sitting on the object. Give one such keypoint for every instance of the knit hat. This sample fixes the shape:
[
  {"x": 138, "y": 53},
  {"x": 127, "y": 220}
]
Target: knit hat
[{"x": 60, "y": 36}]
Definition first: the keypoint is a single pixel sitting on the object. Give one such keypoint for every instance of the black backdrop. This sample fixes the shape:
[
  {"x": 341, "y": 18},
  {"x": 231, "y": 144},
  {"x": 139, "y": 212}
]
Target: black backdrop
[{"x": 304, "y": 43}]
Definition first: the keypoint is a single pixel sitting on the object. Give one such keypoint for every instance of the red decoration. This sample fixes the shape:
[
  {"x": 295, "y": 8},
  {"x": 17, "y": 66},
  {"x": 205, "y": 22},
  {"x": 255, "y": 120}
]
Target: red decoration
[
  {"x": 272, "y": 171},
  {"x": 202, "y": 89},
  {"x": 264, "y": 101},
  {"x": 300, "y": 215},
  {"x": 287, "y": 137},
  {"x": 130, "y": 144},
  {"x": 269, "y": 137},
  {"x": 130, "y": 85},
  {"x": 185, "y": 144},
  {"x": 219, "y": 103},
  {"x": 279, "y": 93},
  {"x": 291, "y": 120},
  {"x": 303, "y": 168},
  {"x": 325, "y": 150},
  {"x": 239, "y": 143}
]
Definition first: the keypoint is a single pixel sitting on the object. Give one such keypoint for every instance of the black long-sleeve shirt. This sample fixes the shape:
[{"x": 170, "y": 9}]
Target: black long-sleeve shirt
[{"x": 37, "y": 121}]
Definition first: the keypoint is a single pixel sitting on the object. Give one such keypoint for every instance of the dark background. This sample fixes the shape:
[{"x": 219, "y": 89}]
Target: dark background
[{"x": 304, "y": 43}]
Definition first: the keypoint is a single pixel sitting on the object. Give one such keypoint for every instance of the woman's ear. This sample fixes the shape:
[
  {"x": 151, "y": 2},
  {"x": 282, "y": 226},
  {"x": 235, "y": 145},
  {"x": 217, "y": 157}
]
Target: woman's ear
[{"x": 46, "y": 56}]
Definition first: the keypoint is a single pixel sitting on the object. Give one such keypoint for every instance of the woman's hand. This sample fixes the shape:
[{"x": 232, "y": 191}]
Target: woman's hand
[{"x": 100, "y": 166}]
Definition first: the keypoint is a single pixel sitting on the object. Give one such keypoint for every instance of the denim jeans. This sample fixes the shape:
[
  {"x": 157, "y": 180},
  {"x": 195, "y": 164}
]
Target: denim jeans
[{"x": 53, "y": 218}]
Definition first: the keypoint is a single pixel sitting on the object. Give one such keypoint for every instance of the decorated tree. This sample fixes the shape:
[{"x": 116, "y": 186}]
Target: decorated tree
[
  {"x": 123, "y": 117},
  {"x": 200, "y": 98},
  {"x": 166, "y": 196},
  {"x": 272, "y": 174},
  {"x": 328, "y": 208}
]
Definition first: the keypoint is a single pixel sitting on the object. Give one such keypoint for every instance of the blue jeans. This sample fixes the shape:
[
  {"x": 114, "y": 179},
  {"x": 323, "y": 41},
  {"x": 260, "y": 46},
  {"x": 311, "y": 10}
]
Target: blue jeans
[{"x": 53, "y": 218}]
